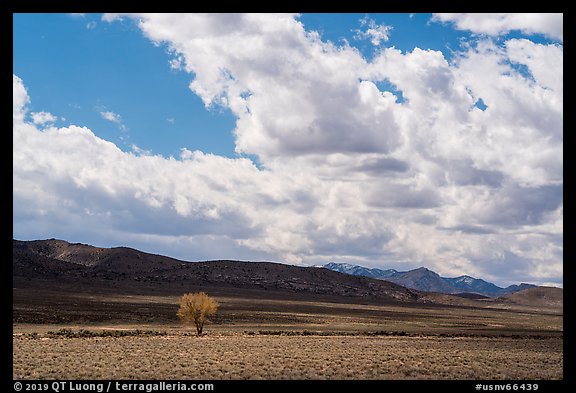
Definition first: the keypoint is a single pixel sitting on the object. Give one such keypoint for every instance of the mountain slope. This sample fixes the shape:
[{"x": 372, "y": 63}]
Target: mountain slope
[
  {"x": 60, "y": 261},
  {"x": 539, "y": 296},
  {"x": 423, "y": 279},
  {"x": 477, "y": 285}
]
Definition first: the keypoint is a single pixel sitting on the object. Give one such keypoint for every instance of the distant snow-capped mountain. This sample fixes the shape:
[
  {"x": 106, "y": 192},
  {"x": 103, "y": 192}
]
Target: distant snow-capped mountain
[
  {"x": 476, "y": 285},
  {"x": 424, "y": 279},
  {"x": 356, "y": 270}
]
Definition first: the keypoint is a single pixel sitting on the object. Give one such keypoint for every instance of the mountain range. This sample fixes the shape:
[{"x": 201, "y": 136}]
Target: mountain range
[
  {"x": 54, "y": 281},
  {"x": 57, "y": 263},
  {"x": 423, "y": 279},
  {"x": 50, "y": 264}
]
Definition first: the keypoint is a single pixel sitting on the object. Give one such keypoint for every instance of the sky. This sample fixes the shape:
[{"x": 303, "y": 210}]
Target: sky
[{"x": 384, "y": 140}]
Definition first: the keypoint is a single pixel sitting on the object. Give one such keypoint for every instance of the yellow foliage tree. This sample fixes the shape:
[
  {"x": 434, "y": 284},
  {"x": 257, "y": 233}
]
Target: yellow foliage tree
[{"x": 195, "y": 308}]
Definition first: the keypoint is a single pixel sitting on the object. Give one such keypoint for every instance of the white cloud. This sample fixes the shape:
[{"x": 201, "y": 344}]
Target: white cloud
[
  {"x": 111, "y": 17},
  {"x": 545, "y": 62},
  {"x": 139, "y": 151},
  {"x": 43, "y": 117},
  {"x": 114, "y": 118},
  {"x": 548, "y": 24},
  {"x": 19, "y": 99},
  {"x": 177, "y": 63},
  {"x": 348, "y": 173},
  {"x": 254, "y": 56},
  {"x": 375, "y": 33},
  {"x": 186, "y": 154},
  {"x": 521, "y": 132},
  {"x": 111, "y": 116}
]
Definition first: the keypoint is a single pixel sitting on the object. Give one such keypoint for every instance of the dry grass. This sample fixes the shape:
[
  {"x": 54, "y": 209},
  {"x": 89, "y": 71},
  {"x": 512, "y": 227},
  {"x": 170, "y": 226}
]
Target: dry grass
[
  {"x": 131, "y": 336},
  {"x": 243, "y": 356}
]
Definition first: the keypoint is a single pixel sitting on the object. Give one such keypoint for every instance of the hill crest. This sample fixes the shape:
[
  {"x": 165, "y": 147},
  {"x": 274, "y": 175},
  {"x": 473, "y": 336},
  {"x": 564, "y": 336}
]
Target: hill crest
[{"x": 59, "y": 260}]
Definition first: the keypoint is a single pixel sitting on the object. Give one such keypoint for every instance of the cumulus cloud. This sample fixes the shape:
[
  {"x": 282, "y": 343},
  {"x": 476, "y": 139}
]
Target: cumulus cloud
[
  {"x": 239, "y": 60},
  {"x": 375, "y": 33},
  {"x": 548, "y": 24},
  {"x": 43, "y": 117},
  {"x": 92, "y": 181},
  {"x": 347, "y": 172},
  {"x": 19, "y": 99},
  {"x": 543, "y": 61}
]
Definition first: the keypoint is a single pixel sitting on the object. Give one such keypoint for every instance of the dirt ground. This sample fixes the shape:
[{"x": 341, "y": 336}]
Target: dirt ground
[
  {"x": 256, "y": 356},
  {"x": 280, "y": 338}
]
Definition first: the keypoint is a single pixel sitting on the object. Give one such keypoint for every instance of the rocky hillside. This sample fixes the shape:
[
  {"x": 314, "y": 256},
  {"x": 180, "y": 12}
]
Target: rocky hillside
[
  {"x": 538, "y": 297},
  {"x": 60, "y": 261}
]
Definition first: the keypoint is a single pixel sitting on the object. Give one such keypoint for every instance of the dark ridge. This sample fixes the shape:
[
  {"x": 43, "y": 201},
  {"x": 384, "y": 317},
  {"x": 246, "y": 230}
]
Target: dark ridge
[
  {"x": 59, "y": 260},
  {"x": 475, "y": 296}
]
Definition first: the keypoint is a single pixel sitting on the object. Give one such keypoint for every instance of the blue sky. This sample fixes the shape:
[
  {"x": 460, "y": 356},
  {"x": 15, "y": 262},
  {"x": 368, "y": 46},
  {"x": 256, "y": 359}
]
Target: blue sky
[
  {"x": 79, "y": 71},
  {"x": 389, "y": 140},
  {"x": 55, "y": 53}
]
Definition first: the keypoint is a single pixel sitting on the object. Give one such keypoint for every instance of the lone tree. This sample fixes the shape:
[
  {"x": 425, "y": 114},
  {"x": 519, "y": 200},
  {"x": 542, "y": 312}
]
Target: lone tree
[{"x": 196, "y": 308}]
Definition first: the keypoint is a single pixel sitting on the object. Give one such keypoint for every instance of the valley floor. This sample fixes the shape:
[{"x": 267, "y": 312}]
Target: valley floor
[
  {"x": 236, "y": 355},
  {"x": 131, "y": 335}
]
